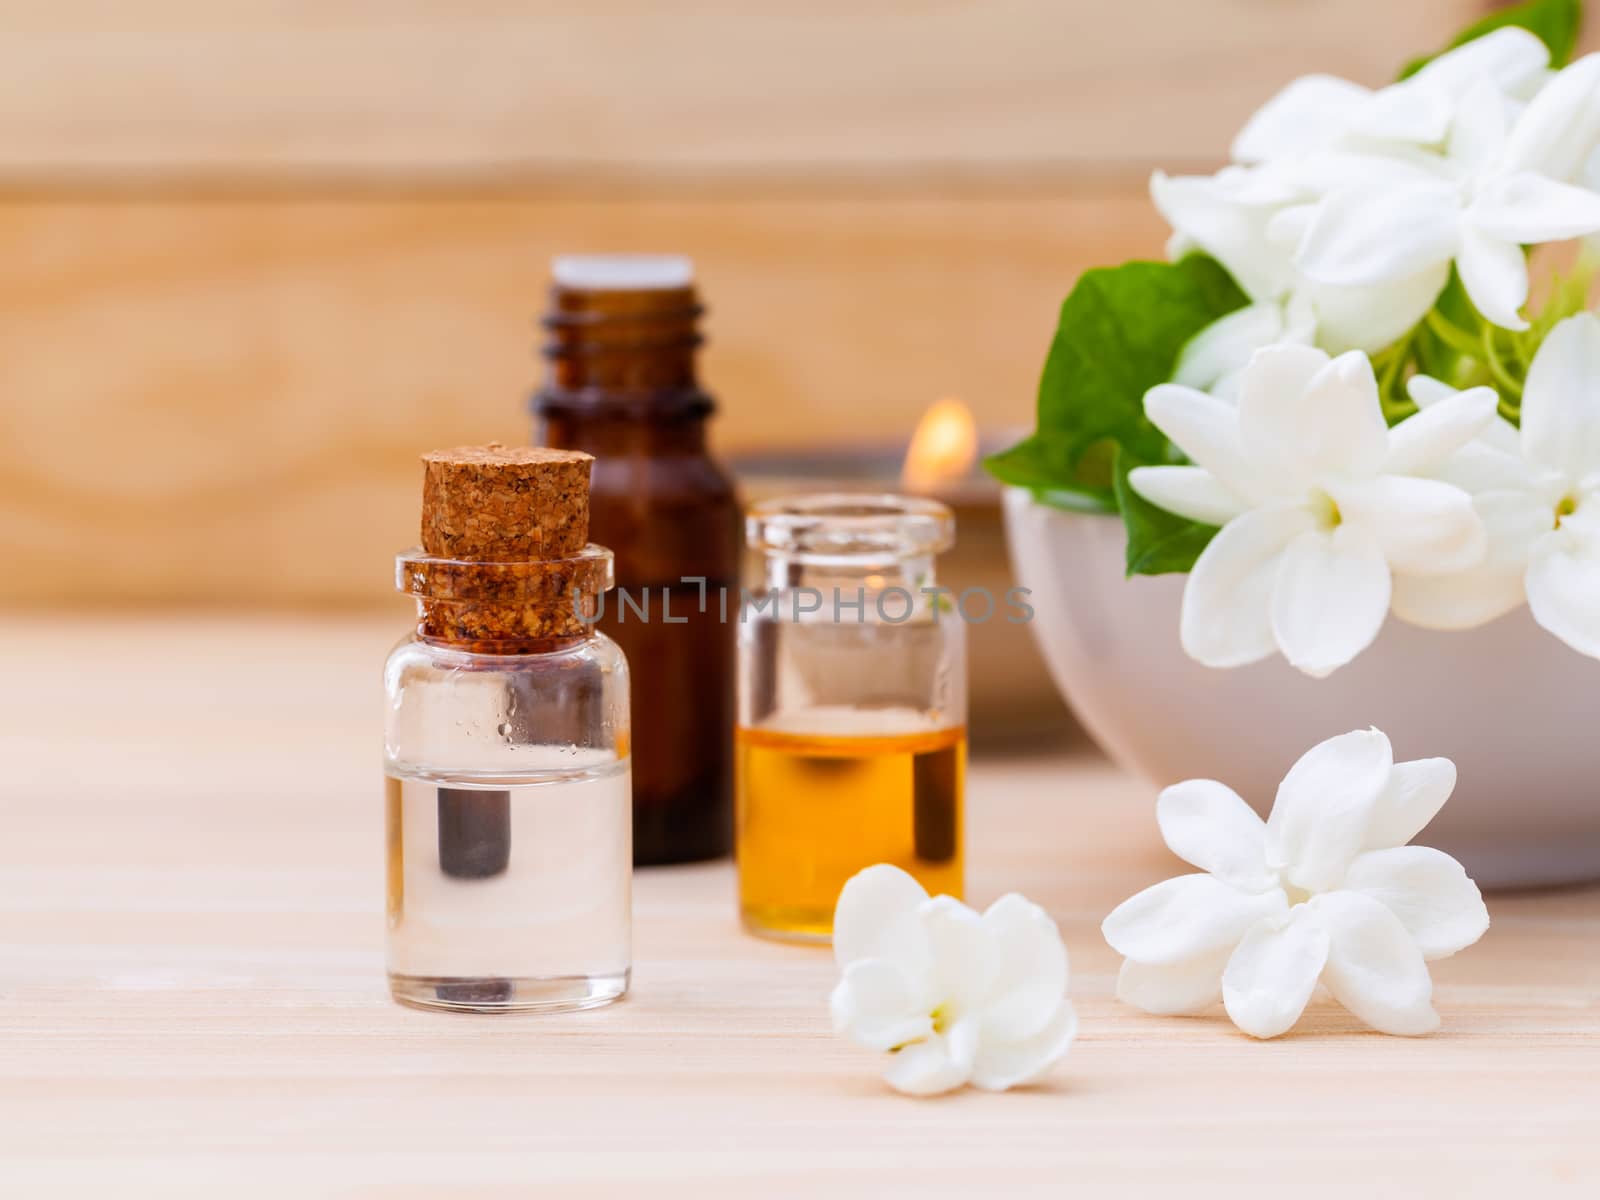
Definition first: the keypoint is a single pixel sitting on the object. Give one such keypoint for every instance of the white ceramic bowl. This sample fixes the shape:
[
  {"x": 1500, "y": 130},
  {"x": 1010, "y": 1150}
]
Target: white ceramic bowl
[{"x": 1517, "y": 711}]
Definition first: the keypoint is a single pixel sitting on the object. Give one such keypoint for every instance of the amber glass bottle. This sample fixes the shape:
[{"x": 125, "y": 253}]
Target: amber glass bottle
[{"x": 623, "y": 333}]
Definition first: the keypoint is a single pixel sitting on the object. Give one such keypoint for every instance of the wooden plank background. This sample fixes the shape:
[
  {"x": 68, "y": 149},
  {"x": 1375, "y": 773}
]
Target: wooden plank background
[
  {"x": 495, "y": 86},
  {"x": 257, "y": 256}
]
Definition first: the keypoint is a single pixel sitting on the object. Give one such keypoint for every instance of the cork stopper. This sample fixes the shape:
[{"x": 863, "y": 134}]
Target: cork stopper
[
  {"x": 505, "y": 504},
  {"x": 504, "y": 564}
]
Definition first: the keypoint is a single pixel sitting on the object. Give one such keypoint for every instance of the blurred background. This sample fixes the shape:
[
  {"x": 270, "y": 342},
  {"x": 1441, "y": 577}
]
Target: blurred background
[{"x": 259, "y": 255}]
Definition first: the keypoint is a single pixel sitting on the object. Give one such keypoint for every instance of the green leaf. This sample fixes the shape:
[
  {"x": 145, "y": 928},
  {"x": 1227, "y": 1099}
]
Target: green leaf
[
  {"x": 1042, "y": 461},
  {"x": 1554, "y": 22},
  {"x": 1159, "y": 542},
  {"x": 1119, "y": 335}
]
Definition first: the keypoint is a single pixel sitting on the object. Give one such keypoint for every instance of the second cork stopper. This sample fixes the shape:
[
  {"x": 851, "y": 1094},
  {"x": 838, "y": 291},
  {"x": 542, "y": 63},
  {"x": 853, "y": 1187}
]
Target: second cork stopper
[{"x": 497, "y": 503}]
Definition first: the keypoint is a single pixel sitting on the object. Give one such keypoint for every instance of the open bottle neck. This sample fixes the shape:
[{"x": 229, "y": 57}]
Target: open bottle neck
[{"x": 623, "y": 348}]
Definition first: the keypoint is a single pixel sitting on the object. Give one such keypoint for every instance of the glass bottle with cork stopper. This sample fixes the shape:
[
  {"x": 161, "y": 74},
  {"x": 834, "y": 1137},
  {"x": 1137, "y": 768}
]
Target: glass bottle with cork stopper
[
  {"x": 622, "y": 386},
  {"x": 852, "y": 707},
  {"x": 506, "y": 746}
]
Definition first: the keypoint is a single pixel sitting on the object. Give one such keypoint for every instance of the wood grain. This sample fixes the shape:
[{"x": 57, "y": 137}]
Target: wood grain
[
  {"x": 224, "y": 401},
  {"x": 191, "y": 992},
  {"x": 90, "y": 90},
  {"x": 259, "y": 255}
]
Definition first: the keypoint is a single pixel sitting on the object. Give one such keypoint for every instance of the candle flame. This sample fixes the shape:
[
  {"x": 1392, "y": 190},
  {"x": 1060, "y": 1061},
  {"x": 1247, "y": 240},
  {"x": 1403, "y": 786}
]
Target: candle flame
[{"x": 944, "y": 447}]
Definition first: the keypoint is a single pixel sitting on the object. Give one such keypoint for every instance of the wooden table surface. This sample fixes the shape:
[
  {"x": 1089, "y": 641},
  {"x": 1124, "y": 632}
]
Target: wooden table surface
[{"x": 192, "y": 995}]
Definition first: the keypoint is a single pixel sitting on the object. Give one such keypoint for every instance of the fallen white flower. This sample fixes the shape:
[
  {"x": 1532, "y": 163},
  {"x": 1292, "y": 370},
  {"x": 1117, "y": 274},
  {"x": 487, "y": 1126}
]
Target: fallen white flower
[
  {"x": 1326, "y": 890},
  {"x": 1538, "y": 493},
  {"x": 1318, "y": 501},
  {"x": 951, "y": 996}
]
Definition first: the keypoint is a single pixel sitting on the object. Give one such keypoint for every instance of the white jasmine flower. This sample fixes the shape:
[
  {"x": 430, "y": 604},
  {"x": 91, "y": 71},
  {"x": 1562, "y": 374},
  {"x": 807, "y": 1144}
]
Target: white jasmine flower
[
  {"x": 1318, "y": 502},
  {"x": 1318, "y": 113},
  {"x": 1251, "y": 219},
  {"x": 1229, "y": 216},
  {"x": 1422, "y": 110},
  {"x": 952, "y": 996},
  {"x": 1321, "y": 135},
  {"x": 1326, "y": 890},
  {"x": 1538, "y": 494},
  {"x": 1307, "y": 114},
  {"x": 1498, "y": 187},
  {"x": 1214, "y": 360}
]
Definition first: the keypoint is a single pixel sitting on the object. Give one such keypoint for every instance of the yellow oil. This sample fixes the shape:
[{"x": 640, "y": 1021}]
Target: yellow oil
[{"x": 815, "y": 808}]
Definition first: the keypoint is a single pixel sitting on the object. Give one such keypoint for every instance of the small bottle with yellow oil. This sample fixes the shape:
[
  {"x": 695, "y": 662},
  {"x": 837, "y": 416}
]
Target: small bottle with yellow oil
[{"x": 851, "y": 742}]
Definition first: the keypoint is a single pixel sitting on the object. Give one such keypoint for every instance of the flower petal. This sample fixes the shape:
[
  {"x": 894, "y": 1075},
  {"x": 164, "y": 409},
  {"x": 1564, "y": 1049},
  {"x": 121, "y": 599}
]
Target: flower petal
[
  {"x": 1280, "y": 374},
  {"x": 1208, "y": 825},
  {"x": 875, "y": 1005},
  {"x": 1413, "y": 796},
  {"x": 1227, "y": 603},
  {"x": 1262, "y": 190},
  {"x": 1494, "y": 463},
  {"x": 941, "y": 1063},
  {"x": 1272, "y": 974},
  {"x": 1426, "y": 390},
  {"x": 1426, "y": 438},
  {"x": 1204, "y": 428},
  {"x": 1288, "y": 226},
  {"x": 965, "y": 959},
  {"x": 1374, "y": 968},
  {"x": 1407, "y": 113},
  {"x": 1561, "y": 124},
  {"x": 1511, "y": 56},
  {"x": 1031, "y": 978},
  {"x": 1362, "y": 237},
  {"x": 1525, "y": 208},
  {"x": 1329, "y": 599},
  {"x": 1186, "y": 917},
  {"x": 1329, "y": 423},
  {"x": 1310, "y": 111},
  {"x": 1173, "y": 989},
  {"x": 1352, "y": 162},
  {"x": 1226, "y": 344},
  {"x": 1000, "y": 1065},
  {"x": 1420, "y": 110},
  {"x": 1423, "y": 526},
  {"x": 876, "y": 917},
  {"x": 1564, "y": 582},
  {"x": 1234, "y": 233},
  {"x": 1428, "y": 891},
  {"x": 1320, "y": 816},
  {"x": 1463, "y": 600},
  {"x": 1561, "y": 399},
  {"x": 1478, "y": 133},
  {"x": 1372, "y": 317},
  {"x": 1191, "y": 492},
  {"x": 1495, "y": 274},
  {"x": 1514, "y": 520}
]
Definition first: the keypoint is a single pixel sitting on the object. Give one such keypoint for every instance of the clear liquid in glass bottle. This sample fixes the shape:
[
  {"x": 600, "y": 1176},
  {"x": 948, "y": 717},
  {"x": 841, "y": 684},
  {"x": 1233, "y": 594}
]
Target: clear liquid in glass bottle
[{"x": 507, "y": 755}]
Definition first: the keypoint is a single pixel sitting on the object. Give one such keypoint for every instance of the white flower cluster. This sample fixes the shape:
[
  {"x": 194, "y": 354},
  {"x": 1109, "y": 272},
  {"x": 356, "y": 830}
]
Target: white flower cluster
[
  {"x": 1345, "y": 207},
  {"x": 1325, "y": 894},
  {"x": 1341, "y": 217}
]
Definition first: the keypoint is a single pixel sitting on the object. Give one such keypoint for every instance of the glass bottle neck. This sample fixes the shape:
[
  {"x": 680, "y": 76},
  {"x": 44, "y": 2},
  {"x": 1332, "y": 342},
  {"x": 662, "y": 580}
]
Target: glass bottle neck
[
  {"x": 911, "y": 574},
  {"x": 623, "y": 349}
]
